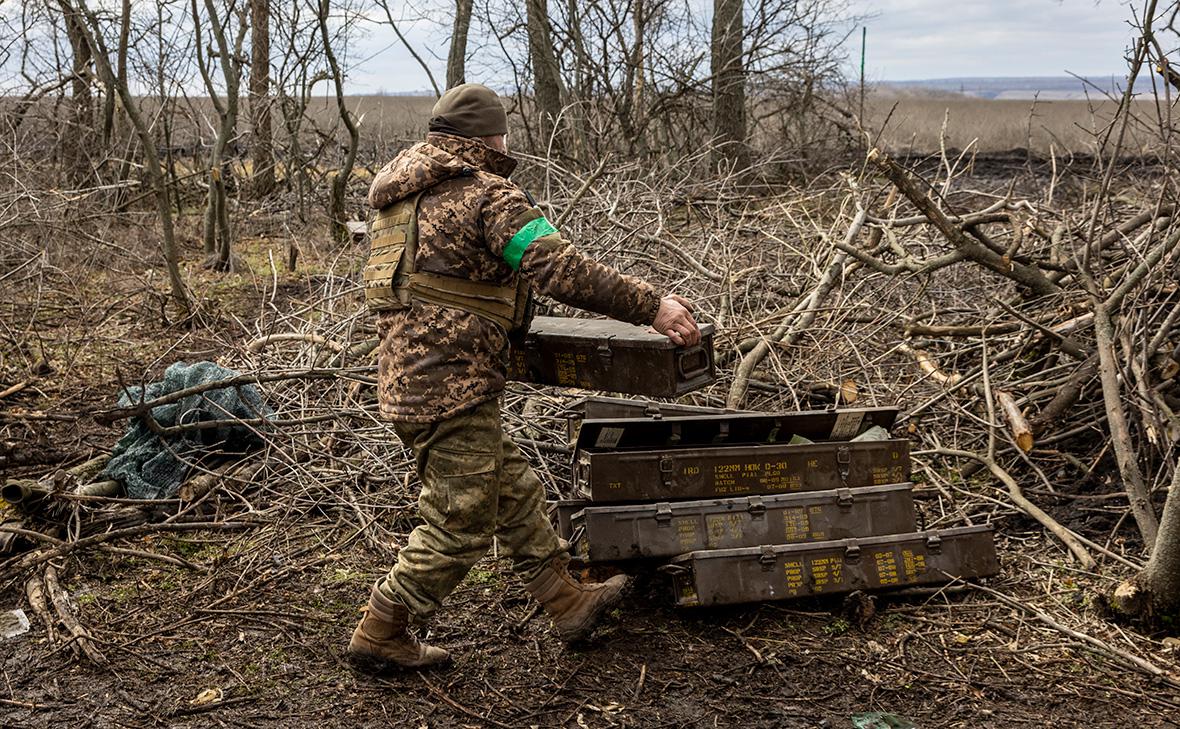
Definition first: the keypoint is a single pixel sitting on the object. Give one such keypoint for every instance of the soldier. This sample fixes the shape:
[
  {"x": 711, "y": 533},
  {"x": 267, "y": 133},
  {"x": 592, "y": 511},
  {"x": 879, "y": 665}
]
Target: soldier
[{"x": 474, "y": 246}]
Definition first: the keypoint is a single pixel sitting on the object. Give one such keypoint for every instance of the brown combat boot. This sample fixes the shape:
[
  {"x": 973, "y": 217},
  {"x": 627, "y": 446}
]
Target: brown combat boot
[
  {"x": 575, "y": 608},
  {"x": 382, "y": 639}
]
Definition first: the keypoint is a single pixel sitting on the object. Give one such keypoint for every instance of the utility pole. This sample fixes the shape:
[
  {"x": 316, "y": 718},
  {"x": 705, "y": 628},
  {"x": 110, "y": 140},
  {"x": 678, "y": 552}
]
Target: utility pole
[{"x": 864, "y": 32}]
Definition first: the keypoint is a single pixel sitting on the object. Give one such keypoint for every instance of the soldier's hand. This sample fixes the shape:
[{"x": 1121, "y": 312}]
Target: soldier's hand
[{"x": 674, "y": 320}]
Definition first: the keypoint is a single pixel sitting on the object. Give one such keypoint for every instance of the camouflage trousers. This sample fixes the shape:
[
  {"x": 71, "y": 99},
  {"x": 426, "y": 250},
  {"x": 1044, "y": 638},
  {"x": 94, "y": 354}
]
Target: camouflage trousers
[{"x": 476, "y": 485}]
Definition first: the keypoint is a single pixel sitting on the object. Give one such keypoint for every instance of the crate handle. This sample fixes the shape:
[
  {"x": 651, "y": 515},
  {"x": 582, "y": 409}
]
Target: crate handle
[{"x": 692, "y": 362}]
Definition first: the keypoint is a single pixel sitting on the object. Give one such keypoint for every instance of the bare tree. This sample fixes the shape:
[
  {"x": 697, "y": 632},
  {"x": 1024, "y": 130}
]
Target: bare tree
[
  {"x": 74, "y": 145},
  {"x": 337, "y": 204},
  {"x": 457, "y": 56},
  {"x": 406, "y": 44},
  {"x": 218, "y": 236},
  {"x": 546, "y": 73},
  {"x": 261, "y": 141},
  {"x": 729, "y": 85},
  {"x": 92, "y": 29}
]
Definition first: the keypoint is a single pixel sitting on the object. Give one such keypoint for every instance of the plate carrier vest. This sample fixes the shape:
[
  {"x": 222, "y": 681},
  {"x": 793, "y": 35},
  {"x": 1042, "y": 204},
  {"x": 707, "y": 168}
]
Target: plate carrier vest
[{"x": 392, "y": 280}]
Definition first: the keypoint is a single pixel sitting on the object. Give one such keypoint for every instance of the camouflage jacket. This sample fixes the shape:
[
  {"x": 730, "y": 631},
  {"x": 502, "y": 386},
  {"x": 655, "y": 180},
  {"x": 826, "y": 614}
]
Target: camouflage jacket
[{"x": 437, "y": 361}]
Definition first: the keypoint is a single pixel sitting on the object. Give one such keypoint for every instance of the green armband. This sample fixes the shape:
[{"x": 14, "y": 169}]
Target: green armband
[{"x": 532, "y": 230}]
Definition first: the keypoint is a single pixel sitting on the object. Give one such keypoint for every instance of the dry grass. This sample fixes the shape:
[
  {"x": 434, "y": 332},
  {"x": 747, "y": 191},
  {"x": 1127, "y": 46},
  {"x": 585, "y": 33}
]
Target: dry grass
[{"x": 1062, "y": 127}]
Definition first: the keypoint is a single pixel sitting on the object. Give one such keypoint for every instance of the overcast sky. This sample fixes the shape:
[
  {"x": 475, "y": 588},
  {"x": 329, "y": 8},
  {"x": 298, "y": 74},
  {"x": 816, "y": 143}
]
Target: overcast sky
[
  {"x": 907, "y": 39},
  {"x": 922, "y": 39}
]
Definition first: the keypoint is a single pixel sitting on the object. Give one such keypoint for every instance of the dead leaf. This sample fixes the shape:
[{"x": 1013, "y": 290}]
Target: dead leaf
[
  {"x": 208, "y": 696},
  {"x": 848, "y": 392}
]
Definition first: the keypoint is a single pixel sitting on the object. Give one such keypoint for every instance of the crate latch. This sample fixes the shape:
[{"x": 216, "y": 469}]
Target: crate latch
[
  {"x": 768, "y": 559},
  {"x": 851, "y": 551},
  {"x": 582, "y": 475},
  {"x": 604, "y": 352},
  {"x": 757, "y": 507},
  {"x": 843, "y": 459},
  {"x": 663, "y": 514},
  {"x": 934, "y": 543},
  {"x": 666, "y": 468},
  {"x": 844, "y": 498}
]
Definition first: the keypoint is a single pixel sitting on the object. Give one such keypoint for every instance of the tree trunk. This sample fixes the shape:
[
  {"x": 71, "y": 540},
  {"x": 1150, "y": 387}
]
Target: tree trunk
[
  {"x": 73, "y": 143},
  {"x": 638, "y": 59},
  {"x": 218, "y": 233},
  {"x": 546, "y": 75},
  {"x": 1153, "y": 595},
  {"x": 261, "y": 142},
  {"x": 729, "y": 87},
  {"x": 457, "y": 57},
  {"x": 337, "y": 209}
]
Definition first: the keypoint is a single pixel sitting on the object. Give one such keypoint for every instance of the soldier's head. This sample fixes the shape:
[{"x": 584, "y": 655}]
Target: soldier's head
[{"x": 474, "y": 111}]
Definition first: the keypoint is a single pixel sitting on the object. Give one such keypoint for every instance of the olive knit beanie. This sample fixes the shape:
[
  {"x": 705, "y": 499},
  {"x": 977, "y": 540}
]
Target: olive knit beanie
[{"x": 469, "y": 110}]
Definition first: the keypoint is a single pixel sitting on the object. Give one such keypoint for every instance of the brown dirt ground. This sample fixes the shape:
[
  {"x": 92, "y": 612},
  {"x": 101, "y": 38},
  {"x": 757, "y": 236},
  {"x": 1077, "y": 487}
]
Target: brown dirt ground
[
  {"x": 275, "y": 654},
  {"x": 265, "y": 620}
]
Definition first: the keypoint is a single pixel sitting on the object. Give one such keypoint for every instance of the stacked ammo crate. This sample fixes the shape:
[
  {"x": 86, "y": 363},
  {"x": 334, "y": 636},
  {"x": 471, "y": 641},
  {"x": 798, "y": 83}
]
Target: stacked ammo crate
[{"x": 746, "y": 507}]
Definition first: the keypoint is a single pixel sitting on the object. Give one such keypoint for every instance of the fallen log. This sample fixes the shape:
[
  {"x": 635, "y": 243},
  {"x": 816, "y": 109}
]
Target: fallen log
[
  {"x": 1016, "y": 494},
  {"x": 927, "y": 364},
  {"x": 199, "y": 486}
]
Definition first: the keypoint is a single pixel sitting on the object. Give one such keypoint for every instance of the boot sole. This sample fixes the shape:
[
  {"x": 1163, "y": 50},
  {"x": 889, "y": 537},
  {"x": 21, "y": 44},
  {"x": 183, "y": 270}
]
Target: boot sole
[{"x": 369, "y": 663}]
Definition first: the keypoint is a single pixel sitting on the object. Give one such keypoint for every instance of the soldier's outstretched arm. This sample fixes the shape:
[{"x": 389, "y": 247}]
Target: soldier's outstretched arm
[{"x": 517, "y": 231}]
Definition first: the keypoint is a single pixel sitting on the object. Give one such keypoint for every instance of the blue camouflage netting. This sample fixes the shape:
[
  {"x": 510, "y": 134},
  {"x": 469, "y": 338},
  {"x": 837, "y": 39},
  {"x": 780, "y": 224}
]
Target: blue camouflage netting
[{"x": 152, "y": 467}]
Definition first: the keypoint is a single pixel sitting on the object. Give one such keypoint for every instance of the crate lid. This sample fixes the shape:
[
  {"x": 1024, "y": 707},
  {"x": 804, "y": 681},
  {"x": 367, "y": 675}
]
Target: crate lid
[
  {"x": 731, "y": 428},
  {"x": 601, "y": 407},
  {"x": 742, "y": 503},
  {"x": 835, "y": 544},
  {"x": 619, "y": 334}
]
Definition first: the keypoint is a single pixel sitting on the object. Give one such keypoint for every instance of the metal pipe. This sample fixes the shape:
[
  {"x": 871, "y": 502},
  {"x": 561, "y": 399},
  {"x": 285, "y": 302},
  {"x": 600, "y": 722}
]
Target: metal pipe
[{"x": 23, "y": 492}]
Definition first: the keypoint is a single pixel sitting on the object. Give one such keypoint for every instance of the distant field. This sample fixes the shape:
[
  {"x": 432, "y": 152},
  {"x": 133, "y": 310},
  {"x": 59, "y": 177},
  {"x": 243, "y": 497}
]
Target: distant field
[
  {"x": 1068, "y": 127},
  {"x": 912, "y": 121}
]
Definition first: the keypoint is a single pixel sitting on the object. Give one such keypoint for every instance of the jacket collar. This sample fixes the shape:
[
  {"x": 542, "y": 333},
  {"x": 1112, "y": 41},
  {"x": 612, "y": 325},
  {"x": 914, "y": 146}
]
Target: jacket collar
[{"x": 474, "y": 152}]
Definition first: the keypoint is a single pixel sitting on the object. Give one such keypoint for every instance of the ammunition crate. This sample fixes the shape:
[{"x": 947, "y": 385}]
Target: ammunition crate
[
  {"x": 666, "y": 529},
  {"x": 701, "y": 473},
  {"x": 561, "y": 514},
  {"x": 781, "y": 572},
  {"x": 601, "y": 354}
]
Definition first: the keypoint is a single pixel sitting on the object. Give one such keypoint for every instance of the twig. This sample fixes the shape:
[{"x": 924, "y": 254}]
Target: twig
[
  {"x": 1018, "y": 498},
  {"x": 459, "y": 707},
  {"x": 61, "y": 604},
  {"x": 791, "y": 327},
  {"x": 1146, "y": 666}
]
